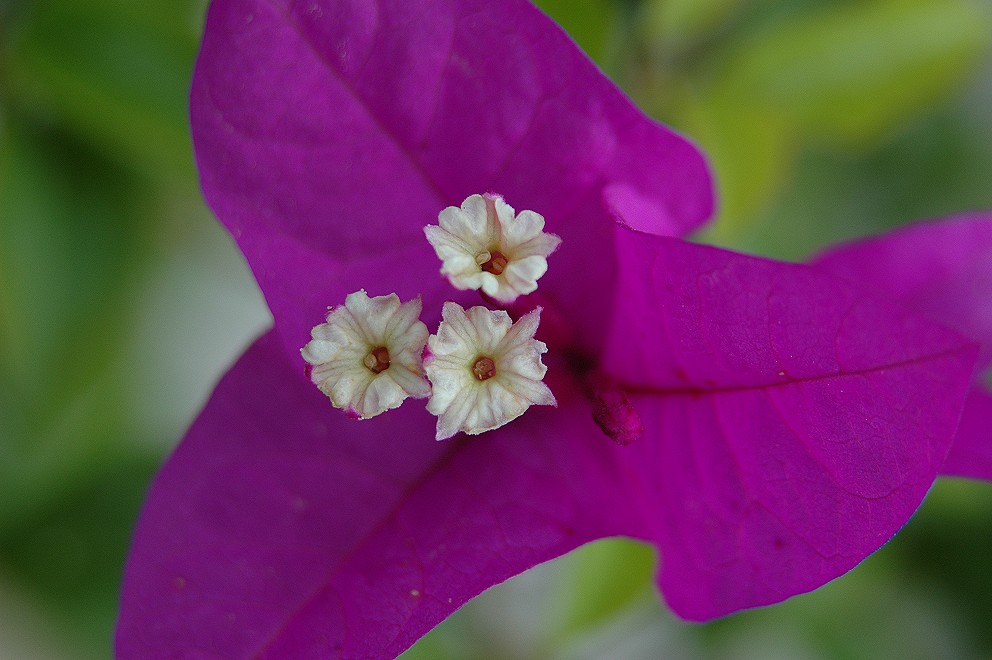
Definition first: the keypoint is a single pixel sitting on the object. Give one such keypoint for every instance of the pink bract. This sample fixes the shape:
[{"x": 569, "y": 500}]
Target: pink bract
[
  {"x": 328, "y": 134},
  {"x": 943, "y": 270},
  {"x": 789, "y": 420}
]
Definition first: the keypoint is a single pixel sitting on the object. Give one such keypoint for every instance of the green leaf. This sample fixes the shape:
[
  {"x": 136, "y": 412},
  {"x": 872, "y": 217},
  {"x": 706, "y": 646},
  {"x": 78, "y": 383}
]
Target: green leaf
[
  {"x": 603, "y": 579},
  {"x": 74, "y": 232},
  {"x": 676, "y": 23},
  {"x": 117, "y": 72},
  {"x": 852, "y": 72},
  {"x": 751, "y": 152},
  {"x": 72, "y": 228},
  {"x": 68, "y": 555},
  {"x": 586, "y": 21}
]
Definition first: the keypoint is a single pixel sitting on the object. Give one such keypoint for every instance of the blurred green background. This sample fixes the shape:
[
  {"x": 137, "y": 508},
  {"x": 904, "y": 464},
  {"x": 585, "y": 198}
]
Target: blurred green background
[{"x": 122, "y": 301}]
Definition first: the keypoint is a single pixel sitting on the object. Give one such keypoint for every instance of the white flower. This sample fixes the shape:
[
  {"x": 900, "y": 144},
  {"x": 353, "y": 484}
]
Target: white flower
[
  {"x": 484, "y": 369},
  {"x": 367, "y": 356},
  {"x": 484, "y": 246}
]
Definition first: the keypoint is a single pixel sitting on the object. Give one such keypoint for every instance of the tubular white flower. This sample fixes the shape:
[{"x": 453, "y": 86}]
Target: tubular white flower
[
  {"x": 483, "y": 245},
  {"x": 484, "y": 369},
  {"x": 367, "y": 357}
]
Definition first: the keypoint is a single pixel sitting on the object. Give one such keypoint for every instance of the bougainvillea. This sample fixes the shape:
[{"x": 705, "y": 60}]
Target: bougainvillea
[
  {"x": 944, "y": 270},
  {"x": 765, "y": 425}
]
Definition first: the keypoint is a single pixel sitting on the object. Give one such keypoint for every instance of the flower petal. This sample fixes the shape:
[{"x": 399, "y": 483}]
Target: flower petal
[
  {"x": 277, "y": 529},
  {"x": 942, "y": 270},
  {"x": 329, "y": 133},
  {"x": 792, "y": 424},
  {"x": 971, "y": 453}
]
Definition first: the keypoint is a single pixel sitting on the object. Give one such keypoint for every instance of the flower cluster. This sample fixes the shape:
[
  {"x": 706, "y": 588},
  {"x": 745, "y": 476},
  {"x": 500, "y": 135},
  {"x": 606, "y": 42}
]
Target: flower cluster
[
  {"x": 482, "y": 370},
  {"x": 789, "y": 419}
]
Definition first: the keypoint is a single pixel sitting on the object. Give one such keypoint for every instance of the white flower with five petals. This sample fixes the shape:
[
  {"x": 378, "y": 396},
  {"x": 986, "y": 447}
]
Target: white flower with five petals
[
  {"x": 484, "y": 245},
  {"x": 485, "y": 369},
  {"x": 367, "y": 356}
]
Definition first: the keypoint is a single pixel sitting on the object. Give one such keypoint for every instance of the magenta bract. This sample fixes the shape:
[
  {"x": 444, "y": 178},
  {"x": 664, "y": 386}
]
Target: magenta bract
[
  {"x": 943, "y": 270},
  {"x": 781, "y": 423},
  {"x": 328, "y": 134}
]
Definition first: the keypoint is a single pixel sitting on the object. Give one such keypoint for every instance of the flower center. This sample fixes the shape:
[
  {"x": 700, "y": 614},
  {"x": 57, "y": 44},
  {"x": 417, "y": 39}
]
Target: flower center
[
  {"x": 484, "y": 368},
  {"x": 496, "y": 263},
  {"x": 377, "y": 359}
]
